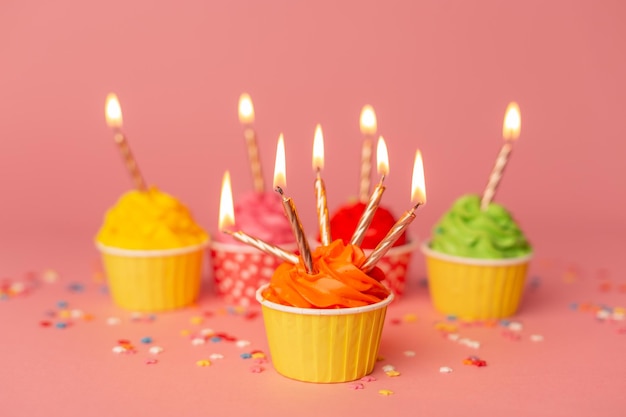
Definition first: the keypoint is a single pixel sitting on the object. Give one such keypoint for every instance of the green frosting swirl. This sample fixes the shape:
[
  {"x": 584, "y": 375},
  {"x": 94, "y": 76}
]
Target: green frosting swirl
[{"x": 467, "y": 231}]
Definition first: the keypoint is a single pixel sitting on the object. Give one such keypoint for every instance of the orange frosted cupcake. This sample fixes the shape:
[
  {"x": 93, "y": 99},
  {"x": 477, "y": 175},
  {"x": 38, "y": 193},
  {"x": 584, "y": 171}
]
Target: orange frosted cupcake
[{"x": 326, "y": 326}]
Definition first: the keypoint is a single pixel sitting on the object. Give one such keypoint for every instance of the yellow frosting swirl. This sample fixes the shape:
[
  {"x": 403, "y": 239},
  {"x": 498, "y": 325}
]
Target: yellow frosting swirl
[{"x": 149, "y": 219}]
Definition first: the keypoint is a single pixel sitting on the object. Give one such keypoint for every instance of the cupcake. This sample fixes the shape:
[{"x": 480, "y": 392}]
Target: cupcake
[
  {"x": 152, "y": 251},
  {"x": 477, "y": 261},
  {"x": 396, "y": 261},
  {"x": 239, "y": 270},
  {"x": 325, "y": 327}
]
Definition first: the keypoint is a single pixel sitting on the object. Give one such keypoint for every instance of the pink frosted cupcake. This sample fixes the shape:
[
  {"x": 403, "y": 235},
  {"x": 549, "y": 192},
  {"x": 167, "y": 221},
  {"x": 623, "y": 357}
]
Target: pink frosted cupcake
[{"x": 238, "y": 269}]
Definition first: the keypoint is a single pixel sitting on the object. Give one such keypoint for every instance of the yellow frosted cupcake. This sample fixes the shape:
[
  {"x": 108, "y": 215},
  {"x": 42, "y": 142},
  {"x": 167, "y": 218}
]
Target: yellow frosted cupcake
[
  {"x": 152, "y": 251},
  {"x": 477, "y": 261}
]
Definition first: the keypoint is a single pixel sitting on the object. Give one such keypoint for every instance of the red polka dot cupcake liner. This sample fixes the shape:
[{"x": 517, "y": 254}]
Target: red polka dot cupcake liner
[
  {"x": 239, "y": 271},
  {"x": 395, "y": 264}
]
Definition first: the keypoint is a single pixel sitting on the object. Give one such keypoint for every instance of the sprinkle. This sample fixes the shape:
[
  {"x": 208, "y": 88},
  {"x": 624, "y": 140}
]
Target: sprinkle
[
  {"x": 388, "y": 368},
  {"x": 245, "y": 356},
  {"x": 368, "y": 378},
  {"x": 409, "y": 353},
  {"x": 475, "y": 361},
  {"x": 76, "y": 314},
  {"x": 118, "y": 349},
  {"x": 151, "y": 362},
  {"x": 76, "y": 287},
  {"x": 197, "y": 320},
  {"x": 146, "y": 340},
  {"x": 50, "y": 276},
  {"x": 197, "y": 341},
  {"x": 445, "y": 369},
  {"x": 203, "y": 363},
  {"x": 185, "y": 332},
  {"x": 135, "y": 316},
  {"x": 356, "y": 386},
  {"x": 536, "y": 338},
  {"x": 242, "y": 343},
  {"x": 454, "y": 337},
  {"x": 60, "y": 325},
  {"x": 410, "y": 318},
  {"x": 215, "y": 356},
  {"x": 216, "y": 339},
  {"x": 113, "y": 321},
  {"x": 207, "y": 332},
  {"x": 62, "y": 304},
  {"x": 45, "y": 323},
  {"x": 385, "y": 392},
  {"x": 392, "y": 373},
  {"x": 155, "y": 350},
  {"x": 257, "y": 354},
  {"x": 515, "y": 326},
  {"x": 261, "y": 361},
  {"x": 257, "y": 369}
]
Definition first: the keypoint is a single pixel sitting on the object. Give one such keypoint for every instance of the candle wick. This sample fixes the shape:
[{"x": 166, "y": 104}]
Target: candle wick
[{"x": 279, "y": 190}]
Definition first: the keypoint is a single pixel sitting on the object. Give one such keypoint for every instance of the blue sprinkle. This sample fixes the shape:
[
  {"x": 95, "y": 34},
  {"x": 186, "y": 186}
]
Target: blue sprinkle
[
  {"x": 60, "y": 325},
  {"x": 451, "y": 317},
  {"x": 62, "y": 304},
  {"x": 505, "y": 323},
  {"x": 245, "y": 355},
  {"x": 146, "y": 340},
  {"x": 573, "y": 306},
  {"x": 152, "y": 317},
  {"x": 76, "y": 287},
  {"x": 216, "y": 339}
]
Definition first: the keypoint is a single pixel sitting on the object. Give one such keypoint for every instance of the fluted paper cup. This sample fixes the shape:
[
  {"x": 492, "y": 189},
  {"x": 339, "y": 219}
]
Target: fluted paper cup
[
  {"x": 153, "y": 280},
  {"x": 475, "y": 289},
  {"x": 323, "y": 346}
]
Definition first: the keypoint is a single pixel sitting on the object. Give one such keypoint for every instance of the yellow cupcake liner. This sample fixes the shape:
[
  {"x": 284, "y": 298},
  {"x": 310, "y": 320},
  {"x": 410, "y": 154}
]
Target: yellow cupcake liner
[
  {"x": 475, "y": 289},
  {"x": 323, "y": 346},
  {"x": 153, "y": 280}
]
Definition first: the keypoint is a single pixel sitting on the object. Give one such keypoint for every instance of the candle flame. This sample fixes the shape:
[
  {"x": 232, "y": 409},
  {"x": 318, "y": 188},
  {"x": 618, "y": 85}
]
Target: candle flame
[
  {"x": 113, "y": 111},
  {"x": 512, "y": 122},
  {"x": 368, "y": 120},
  {"x": 280, "y": 170},
  {"x": 318, "y": 149},
  {"x": 227, "y": 211},
  {"x": 246, "y": 109},
  {"x": 418, "y": 184},
  {"x": 382, "y": 158}
]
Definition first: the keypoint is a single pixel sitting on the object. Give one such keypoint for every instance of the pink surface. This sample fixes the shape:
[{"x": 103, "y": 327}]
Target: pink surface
[
  {"x": 577, "y": 370},
  {"x": 439, "y": 75}
]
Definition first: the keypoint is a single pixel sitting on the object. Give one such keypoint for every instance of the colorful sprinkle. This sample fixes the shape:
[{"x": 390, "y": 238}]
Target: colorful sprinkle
[
  {"x": 151, "y": 362},
  {"x": 242, "y": 343},
  {"x": 475, "y": 361},
  {"x": 356, "y": 386},
  {"x": 155, "y": 350},
  {"x": 409, "y": 353},
  {"x": 216, "y": 356},
  {"x": 203, "y": 363},
  {"x": 368, "y": 378},
  {"x": 445, "y": 369},
  {"x": 146, "y": 340},
  {"x": 257, "y": 369},
  {"x": 536, "y": 338},
  {"x": 385, "y": 392}
]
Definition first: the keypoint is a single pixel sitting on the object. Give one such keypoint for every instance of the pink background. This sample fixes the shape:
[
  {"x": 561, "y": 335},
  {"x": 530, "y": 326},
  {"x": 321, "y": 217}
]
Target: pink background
[{"x": 438, "y": 73}]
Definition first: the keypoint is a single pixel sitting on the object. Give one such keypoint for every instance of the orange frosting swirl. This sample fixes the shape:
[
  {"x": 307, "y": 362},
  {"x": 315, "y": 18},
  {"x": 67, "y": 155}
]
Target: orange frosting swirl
[{"x": 338, "y": 283}]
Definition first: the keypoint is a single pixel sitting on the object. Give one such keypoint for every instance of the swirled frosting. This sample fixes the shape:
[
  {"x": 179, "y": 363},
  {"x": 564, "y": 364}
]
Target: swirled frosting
[
  {"x": 261, "y": 215},
  {"x": 344, "y": 221},
  {"x": 467, "y": 231},
  {"x": 338, "y": 282},
  {"x": 149, "y": 219}
]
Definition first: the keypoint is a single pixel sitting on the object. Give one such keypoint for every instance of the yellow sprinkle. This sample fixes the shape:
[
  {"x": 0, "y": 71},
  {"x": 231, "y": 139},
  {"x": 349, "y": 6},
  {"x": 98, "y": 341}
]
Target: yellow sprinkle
[
  {"x": 64, "y": 314},
  {"x": 410, "y": 318},
  {"x": 258, "y": 355},
  {"x": 392, "y": 373},
  {"x": 196, "y": 320},
  {"x": 385, "y": 392},
  {"x": 619, "y": 310},
  {"x": 203, "y": 362},
  {"x": 185, "y": 332}
]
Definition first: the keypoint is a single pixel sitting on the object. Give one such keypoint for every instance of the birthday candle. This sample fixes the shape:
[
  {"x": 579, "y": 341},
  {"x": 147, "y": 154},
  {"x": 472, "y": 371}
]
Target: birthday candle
[
  {"x": 246, "y": 118},
  {"x": 113, "y": 115},
  {"x": 510, "y": 132},
  {"x": 320, "y": 188},
  {"x": 367, "y": 123}
]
